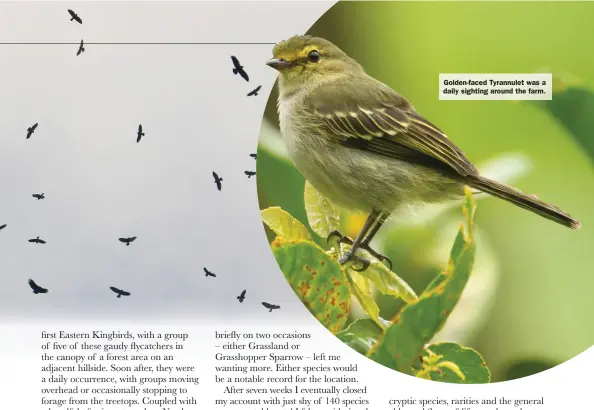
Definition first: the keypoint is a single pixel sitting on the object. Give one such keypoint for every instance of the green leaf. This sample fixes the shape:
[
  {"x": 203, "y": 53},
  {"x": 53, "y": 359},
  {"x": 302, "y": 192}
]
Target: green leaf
[
  {"x": 573, "y": 107},
  {"x": 361, "y": 335},
  {"x": 317, "y": 280},
  {"x": 454, "y": 364},
  {"x": 386, "y": 281},
  {"x": 418, "y": 322},
  {"x": 283, "y": 224},
  {"x": 323, "y": 215},
  {"x": 365, "y": 299}
]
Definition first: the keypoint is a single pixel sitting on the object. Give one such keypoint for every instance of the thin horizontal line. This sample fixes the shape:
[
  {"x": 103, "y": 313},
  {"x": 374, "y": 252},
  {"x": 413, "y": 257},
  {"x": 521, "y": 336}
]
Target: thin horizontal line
[{"x": 132, "y": 44}]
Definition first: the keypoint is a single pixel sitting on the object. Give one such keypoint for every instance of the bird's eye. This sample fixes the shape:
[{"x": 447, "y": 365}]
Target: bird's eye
[{"x": 314, "y": 56}]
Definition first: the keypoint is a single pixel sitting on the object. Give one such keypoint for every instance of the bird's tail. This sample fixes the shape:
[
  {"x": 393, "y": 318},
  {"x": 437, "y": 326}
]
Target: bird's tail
[
  {"x": 519, "y": 198},
  {"x": 119, "y": 295},
  {"x": 71, "y": 18},
  {"x": 235, "y": 71}
]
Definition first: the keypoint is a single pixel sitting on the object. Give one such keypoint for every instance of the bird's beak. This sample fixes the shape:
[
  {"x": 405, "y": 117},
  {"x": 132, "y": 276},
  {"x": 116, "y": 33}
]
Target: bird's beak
[{"x": 277, "y": 63}]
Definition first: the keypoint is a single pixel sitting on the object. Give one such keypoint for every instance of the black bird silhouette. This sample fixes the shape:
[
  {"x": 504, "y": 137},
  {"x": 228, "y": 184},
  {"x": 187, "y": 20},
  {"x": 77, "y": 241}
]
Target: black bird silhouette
[
  {"x": 36, "y": 288},
  {"x": 119, "y": 292},
  {"x": 81, "y": 48},
  {"x": 127, "y": 240},
  {"x": 209, "y": 273},
  {"x": 2, "y": 227},
  {"x": 241, "y": 297},
  {"x": 270, "y": 306},
  {"x": 254, "y": 156},
  {"x": 250, "y": 173},
  {"x": 238, "y": 69},
  {"x": 31, "y": 130},
  {"x": 39, "y": 196},
  {"x": 74, "y": 16},
  {"x": 255, "y": 91},
  {"x": 37, "y": 240},
  {"x": 140, "y": 134},
  {"x": 217, "y": 180}
]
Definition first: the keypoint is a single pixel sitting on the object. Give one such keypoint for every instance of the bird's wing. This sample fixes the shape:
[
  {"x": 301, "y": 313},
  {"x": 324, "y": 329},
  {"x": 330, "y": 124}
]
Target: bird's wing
[
  {"x": 214, "y": 174},
  {"x": 235, "y": 61},
  {"x": 244, "y": 75},
  {"x": 71, "y": 12},
  {"x": 41, "y": 241},
  {"x": 374, "y": 118},
  {"x": 140, "y": 128},
  {"x": 122, "y": 240},
  {"x": 132, "y": 239},
  {"x": 2, "y": 226},
  {"x": 116, "y": 290},
  {"x": 32, "y": 284},
  {"x": 34, "y": 126},
  {"x": 124, "y": 293},
  {"x": 268, "y": 305},
  {"x": 32, "y": 240}
]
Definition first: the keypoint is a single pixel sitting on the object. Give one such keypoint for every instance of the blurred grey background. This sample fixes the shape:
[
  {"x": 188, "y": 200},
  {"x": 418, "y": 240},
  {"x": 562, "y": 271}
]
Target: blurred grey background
[{"x": 101, "y": 185}]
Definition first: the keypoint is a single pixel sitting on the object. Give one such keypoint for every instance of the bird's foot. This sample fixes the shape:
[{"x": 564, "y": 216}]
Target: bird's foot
[
  {"x": 350, "y": 254},
  {"x": 380, "y": 257},
  {"x": 341, "y": 238}
]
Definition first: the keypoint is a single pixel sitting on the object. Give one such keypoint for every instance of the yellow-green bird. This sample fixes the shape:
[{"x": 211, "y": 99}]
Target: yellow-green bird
[{"x": 365, "y": 147}]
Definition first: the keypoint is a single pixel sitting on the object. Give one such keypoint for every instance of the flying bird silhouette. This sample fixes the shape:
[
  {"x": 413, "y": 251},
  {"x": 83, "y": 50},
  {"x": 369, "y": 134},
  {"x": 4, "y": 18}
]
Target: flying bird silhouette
[
  {"x": 119, "y": 292},
  {"x": 31, "y": 130},
  {"x": 238, "y": 69},
  {"x": 217, "y": 180},
  {"x": 241, "y": 297},
  {"x": 81, "y": 48},
  {"x": 209, "y": 273},
  {"x": 250, "y": 173},
  {"x": 74, "y": 16},
  {"x": 37, "y": 240},
  {"x": 254, "y": 156},
  {"x": 2, "y": 227},
  {"x": 39, "y": 196},
  {"x": 270, "y": 306},
  {"x": 36, "y": 288},
  {"x": 254, "y": 92},
  {"x": 127, "y": 240},
  {"x": 140, "y": 134}
]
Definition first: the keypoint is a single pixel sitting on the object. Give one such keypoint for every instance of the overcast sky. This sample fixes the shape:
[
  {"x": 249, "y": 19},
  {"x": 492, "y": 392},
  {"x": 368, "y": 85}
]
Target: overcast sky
[{"x": 100, "y": 184}]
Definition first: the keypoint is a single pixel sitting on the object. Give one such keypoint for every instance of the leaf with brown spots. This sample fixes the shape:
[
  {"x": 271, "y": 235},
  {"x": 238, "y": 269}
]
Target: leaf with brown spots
[{"x": 327, "y": 294}]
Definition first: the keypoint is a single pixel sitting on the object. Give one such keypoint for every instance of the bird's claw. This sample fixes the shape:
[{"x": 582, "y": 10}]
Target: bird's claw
[
  {"x": 349, "y": 255},
  {"x": 341, "y": 238},
  {"x": 376, "y": 255}
]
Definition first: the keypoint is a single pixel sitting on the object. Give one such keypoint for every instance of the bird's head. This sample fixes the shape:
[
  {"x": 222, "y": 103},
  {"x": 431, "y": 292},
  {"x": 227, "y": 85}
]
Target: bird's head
[{"x": 307, "y": 60}]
